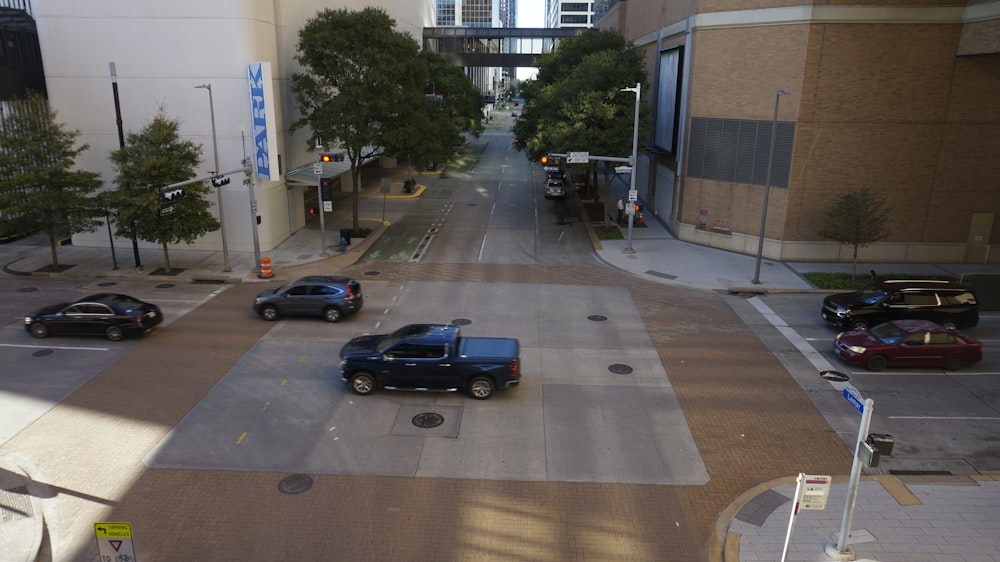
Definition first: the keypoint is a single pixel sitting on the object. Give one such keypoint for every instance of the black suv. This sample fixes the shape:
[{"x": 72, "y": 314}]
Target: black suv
[
  {"x": 944, "y": 302},
  {"x": 328, "y": 296}
]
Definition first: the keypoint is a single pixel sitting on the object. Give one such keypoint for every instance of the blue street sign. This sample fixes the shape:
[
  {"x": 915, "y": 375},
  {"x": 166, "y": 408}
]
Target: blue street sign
[{"x": 854, "y": 399}]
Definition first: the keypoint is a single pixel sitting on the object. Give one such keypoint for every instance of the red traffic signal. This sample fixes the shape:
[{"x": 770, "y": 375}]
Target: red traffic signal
[{"x": 312, "y": 210}]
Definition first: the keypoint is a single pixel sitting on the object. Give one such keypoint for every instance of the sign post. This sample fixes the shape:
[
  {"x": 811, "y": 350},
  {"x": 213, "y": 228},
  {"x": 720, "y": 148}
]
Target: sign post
[
  {"x": 811, "y": 492},
  {"x": 842, "y": 551}
]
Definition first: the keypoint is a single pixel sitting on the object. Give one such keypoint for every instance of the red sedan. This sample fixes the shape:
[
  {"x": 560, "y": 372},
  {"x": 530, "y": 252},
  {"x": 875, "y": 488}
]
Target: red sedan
[{"x": 908, "y": 343}]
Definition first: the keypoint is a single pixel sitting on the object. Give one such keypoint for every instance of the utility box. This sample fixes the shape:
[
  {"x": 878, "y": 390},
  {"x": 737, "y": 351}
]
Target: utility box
[
  {"x": 868, "y": 454},
  {"x": 883, "y": 442}
]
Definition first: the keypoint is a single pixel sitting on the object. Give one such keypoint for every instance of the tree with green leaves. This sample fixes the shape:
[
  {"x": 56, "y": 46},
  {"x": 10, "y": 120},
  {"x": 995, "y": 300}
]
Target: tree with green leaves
[
  {"x": 152, "y": 158},
  {"x": 856, "y": 218},
  {"x": 362, "y": 84},
  {"x": 452, "y": 105},
  {"x": 39, "y": 189},
  {"x": 575, "y": 103}
]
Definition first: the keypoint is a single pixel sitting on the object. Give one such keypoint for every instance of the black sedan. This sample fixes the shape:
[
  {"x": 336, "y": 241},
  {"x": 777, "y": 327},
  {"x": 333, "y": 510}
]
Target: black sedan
[{"x": 110, "y": 315}]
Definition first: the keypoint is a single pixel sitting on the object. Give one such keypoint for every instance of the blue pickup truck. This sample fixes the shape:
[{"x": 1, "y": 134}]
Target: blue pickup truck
[{"x": 432, "y": 357}]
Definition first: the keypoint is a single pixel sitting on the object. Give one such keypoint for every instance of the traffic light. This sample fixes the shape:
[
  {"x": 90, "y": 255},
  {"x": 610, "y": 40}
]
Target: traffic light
[
  {"x": 219, "y": 181},
  {"x": 172, "y": 195},
  {"x": 326, "y": 188},
  {"x": 325, "y": 157},
  {"x": 545, "y": 160},
  {"x": 313, "y": 210}
]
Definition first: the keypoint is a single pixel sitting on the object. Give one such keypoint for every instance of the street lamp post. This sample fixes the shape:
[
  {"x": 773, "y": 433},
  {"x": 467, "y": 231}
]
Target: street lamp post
[
  {"x": 121, "y": 144},
  {"x": 215, "y": 152},
  {"x": 767, "y": 186},
  {"x": 632, "y": 162}
]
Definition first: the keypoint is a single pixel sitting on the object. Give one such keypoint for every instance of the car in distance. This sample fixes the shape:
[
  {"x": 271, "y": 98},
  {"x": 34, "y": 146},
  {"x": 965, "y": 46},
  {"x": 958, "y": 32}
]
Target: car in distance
[
  {"x": 430, "y": 357},
  {"x": 111, "y": 315},
  {"x": 943, "y": 302},
  {"x": 555, "y": 188},
  {"x": 908, "y": 343},
  {"x": 330, "y": 297}
]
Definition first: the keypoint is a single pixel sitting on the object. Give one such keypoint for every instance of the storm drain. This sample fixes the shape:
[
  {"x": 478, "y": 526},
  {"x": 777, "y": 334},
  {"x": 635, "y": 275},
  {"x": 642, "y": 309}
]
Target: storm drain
[
  {"x": 427, "y": 420},
  {"x": 597, "y": 317},
  {"x": 42, "y": 353},
  {"x": 107, "y": 284},
  {"x": 620, "y": 369},
  {"x": 164, "y": 285},
  {"x": 461, "y": 321},
  {"x": 835, "y": 376},
  {"x": 295, "y": 484},
  {"x": 371, "y": 273},
  {"x": 27, "y": 289}
]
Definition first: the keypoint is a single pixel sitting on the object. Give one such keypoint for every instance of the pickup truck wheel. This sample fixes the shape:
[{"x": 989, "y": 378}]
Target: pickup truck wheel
[
  {"x": 363, "y": 383},
  {"x": 481, "y": 388}
]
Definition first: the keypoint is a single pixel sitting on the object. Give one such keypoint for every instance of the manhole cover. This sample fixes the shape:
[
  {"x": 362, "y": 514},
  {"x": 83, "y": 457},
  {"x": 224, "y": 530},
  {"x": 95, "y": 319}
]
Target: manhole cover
[
  {"x": 461, "y": 321},
  {"x": 428, "y": 419},
  {"x": 835, "y": 376},
  {"x": 107, "y": 284},
  {"x": 27, "y": 289},
  {"x": 620, "y": 369},
  {"x": 370, "y": 273},
  {"x": 164, "y": 285},
  {"x": 295, "y": 484},
  {"x": 42, "y": 353},
  {"x": 597, "y": 317}
]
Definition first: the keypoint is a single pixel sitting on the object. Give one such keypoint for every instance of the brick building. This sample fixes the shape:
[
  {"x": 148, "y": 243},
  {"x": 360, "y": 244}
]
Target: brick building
[{"x": 897, "y": 96}]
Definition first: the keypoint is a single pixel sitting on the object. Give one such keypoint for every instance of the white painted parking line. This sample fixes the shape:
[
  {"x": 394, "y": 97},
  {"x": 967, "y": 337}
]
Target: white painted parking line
[
  {"x": 75, "y": 348},
  {"x": 958, "y": 418}
]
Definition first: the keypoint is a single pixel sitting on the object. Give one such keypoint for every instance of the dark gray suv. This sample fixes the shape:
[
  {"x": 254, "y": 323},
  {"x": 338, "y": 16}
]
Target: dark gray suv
[
  {"x": 328, "y": 296},
  {"x": 943, "y": 302}
]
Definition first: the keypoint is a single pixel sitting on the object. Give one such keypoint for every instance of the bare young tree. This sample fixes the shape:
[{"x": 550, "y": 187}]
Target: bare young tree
[{"x": 856, "y": 218}]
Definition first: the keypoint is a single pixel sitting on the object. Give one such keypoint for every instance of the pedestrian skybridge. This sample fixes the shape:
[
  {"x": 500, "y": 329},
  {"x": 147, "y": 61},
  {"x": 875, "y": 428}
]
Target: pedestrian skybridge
[{"x": 503, "y": 47}]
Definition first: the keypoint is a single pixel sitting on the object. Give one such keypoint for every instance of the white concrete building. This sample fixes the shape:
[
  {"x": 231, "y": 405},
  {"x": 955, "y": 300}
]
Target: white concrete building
[{"x": 161, "y": 52}]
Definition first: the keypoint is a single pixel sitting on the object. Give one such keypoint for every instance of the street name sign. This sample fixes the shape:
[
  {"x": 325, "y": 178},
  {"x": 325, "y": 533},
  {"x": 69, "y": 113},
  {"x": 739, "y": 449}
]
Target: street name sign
[
  {"x": 623, "y": 169},
  {"x": 852, "y": 395},
  {"x": 578, "y": 158}
]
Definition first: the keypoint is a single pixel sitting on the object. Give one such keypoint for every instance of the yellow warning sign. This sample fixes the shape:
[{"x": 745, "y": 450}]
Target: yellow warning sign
[
  {"x": 113, "y": 530},
  {"x": 114, "y": 542}
]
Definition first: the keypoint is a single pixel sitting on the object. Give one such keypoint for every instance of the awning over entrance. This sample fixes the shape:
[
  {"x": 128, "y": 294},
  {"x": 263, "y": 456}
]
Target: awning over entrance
[{"x": 306, "y": 176}]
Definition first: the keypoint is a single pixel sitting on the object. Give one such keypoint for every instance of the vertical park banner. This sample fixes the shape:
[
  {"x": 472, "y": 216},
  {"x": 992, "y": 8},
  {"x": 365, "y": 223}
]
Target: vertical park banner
[{"x": 264, "y": 125}]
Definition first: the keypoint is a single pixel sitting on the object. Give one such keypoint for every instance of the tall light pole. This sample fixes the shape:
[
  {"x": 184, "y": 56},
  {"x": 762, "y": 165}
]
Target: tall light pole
[
  {"x": 767, "y": 185},
  {"x": 121, "y": 144},
  {"x": 632, "y": 162},
  {"x": 218, "y": 190}
]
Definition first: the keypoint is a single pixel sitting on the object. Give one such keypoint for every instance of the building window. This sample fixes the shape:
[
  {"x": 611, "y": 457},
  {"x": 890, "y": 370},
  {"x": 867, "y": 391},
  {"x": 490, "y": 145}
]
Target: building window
[
  {"x": 736, "y": 150},
  {"x": 570, "y": 18},
  {"x": 446, "y": 12},
  {"x": 575, "y": 7}
]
